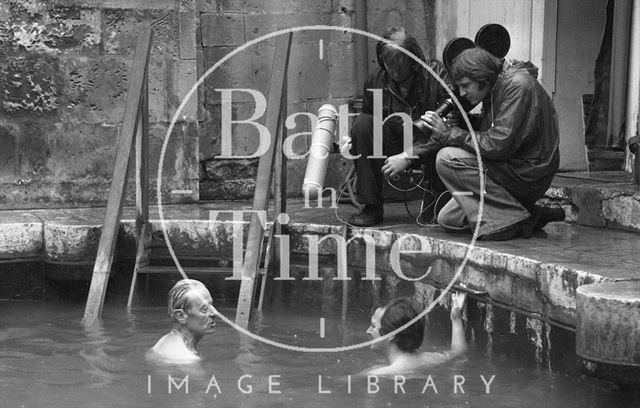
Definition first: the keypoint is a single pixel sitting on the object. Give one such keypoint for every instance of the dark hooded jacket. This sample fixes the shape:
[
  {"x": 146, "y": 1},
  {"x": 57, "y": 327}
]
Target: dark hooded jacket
[
  {"x": 518, "y": 134},
  {"x": 425, "y": 94}
]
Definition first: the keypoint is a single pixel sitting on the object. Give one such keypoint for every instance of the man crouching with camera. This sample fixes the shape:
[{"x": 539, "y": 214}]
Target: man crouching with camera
[{"x": 518, "y": 144}]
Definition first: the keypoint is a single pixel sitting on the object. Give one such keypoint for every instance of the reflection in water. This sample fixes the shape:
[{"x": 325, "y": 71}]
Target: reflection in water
[{"x": 102, "y": 365}]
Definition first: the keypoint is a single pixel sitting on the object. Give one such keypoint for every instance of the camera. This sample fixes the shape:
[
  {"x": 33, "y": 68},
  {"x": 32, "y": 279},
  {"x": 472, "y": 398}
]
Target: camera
[{"x": 443, "y": 110}]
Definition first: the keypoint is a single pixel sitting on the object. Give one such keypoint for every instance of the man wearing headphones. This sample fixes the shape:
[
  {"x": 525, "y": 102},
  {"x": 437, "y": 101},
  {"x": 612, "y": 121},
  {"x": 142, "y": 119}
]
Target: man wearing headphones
[
  {"x": 405, "y": 90},
  {"x": 517, "y": 141}
]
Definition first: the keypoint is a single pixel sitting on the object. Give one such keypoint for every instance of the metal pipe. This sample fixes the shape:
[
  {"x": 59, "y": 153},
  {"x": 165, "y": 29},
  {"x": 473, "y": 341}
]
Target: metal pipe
[{"x": 361, "y": 45}]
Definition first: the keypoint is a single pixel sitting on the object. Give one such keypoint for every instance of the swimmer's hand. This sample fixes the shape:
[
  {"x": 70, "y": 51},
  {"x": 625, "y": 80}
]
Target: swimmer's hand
[
  {"x": 459, "y": 344},
  {"x": 458, "y": 300}
]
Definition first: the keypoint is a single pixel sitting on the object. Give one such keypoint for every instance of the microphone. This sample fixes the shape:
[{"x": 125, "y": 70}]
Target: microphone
[{"x": 321, "y": 146}]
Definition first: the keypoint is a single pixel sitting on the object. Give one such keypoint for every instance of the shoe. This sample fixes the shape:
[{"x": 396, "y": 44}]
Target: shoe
[
  {"x": 370, "y": 215},
  {"x": 546, "y": 215},
  {"x": 522, "y": 229}
]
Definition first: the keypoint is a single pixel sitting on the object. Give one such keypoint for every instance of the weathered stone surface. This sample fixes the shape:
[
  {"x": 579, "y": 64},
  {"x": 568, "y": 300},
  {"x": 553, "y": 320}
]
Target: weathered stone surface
[
  {"x": 71, "y": 243},
  {"x": 21, "y": 240},
  {"x": 123, "y": 26},
  {"x": 188, "y": 29},
  {"x": 120, "y": 4},
  {"x": 10, "y": 163},
  {"x": 180, "y": 167},
  {"x": 308, "y": 75},
  {"x": 248, "y": 69},
  {"x": 221, "y": 170},
  {"x": 558, "y": 192},
  {"x": 185, "y": 78},
  {"x": 81, "y": 151},
  {"x": 207, "y": 6},
  {"x": 245, "y": 138},
  {"x": 29, "y": 84},
  {"x": 342, "y": 80},
  {"x": 608, "y": 323},
  {"x": 258, "y": 25},
  {"x": 236, "y": 188},
  {"x": 222, "y": 30},
  {"x": 275, "y": 6},
  {"x": 622, "y": 210},
  {"x": 589, "y": 204}
]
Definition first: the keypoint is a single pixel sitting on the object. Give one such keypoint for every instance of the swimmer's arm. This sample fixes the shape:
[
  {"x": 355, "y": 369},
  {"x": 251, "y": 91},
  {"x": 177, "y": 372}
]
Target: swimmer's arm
[
  {"x": 458, "y": 340},
  {"x": 375, "y": 370},
  {"x": 380, "y": 370}
]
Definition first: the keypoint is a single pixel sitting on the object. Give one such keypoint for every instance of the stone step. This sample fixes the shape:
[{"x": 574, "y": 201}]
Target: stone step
[{"x": 597, "y": 199}]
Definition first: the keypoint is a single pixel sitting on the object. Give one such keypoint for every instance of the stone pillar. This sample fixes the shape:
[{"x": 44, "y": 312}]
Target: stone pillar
[{"x": 608, "y": 330}]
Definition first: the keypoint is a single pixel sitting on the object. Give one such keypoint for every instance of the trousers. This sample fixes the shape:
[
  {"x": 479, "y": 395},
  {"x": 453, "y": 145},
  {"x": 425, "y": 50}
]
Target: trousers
[
  {"x": 370, "y": 181},
  {"x": 459, "y": 171}
]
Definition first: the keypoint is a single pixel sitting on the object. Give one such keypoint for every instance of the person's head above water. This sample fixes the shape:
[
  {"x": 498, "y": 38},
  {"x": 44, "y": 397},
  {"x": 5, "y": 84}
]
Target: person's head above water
[
  {"x": 402, "y": 349},
  {"x": 190, "y": 307},
  {"x": 392, "y": 316},
  {"x": 393, "y": 60}
]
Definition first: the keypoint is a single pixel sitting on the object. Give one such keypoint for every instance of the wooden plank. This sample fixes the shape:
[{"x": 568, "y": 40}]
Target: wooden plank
[
  {"x": 106, "y": 246},
  {"x": 280, "y": 191},
  {"x": 188, "y": 270},
  {"x": 269, "y": 259},
  {"x": 345, "y": 283},
  {"x": 272, "y": 252},
  {"x": 263, "y": 179},
  {"x": 142, "y": 162},
  {"x": 143, "y": 254}
]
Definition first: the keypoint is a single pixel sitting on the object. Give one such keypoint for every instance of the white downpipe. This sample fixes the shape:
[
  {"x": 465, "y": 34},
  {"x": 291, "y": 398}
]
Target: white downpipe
[{"x": 633, "y": 84}]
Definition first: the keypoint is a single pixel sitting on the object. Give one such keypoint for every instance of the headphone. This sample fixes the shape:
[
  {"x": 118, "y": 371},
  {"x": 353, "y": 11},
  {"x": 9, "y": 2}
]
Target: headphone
[{"x": 415, "y": 66}]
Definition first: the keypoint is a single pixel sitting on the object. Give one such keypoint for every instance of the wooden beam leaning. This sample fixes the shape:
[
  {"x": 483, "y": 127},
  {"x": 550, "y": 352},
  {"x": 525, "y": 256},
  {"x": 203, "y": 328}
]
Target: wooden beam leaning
[
  {"x": 142, "y": 162},
  {"x": 263, "y": 180},
  {"x": 272, "y": 252},
  {"x": 110, "y": 227}
]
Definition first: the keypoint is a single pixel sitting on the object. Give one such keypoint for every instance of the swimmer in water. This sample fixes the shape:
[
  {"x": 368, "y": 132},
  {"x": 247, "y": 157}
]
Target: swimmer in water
[
  {"x": 402, "y": 350},
  {"x": 193, "y": 315}
]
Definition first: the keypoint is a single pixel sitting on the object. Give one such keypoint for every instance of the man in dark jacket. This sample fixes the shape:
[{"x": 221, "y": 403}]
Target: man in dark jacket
[
  {"x": 398, "y": 93},
  {"x": 518, "y": 144}
]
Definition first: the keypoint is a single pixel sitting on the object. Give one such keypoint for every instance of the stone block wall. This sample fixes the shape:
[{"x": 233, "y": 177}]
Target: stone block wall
[
  {"x": 64, "y": 76},
  {"x": 322, "y": 70}
]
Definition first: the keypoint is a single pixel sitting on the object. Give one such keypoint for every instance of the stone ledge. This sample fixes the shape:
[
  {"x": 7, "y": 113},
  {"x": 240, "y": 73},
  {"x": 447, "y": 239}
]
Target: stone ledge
[{"x": 538, "y": 276}]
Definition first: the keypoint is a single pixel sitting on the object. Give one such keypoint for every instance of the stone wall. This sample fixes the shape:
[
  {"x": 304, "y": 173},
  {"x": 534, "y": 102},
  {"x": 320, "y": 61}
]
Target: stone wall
[
  {"x": 322, "y": 70},
  {"x": 64, "y": 70}
]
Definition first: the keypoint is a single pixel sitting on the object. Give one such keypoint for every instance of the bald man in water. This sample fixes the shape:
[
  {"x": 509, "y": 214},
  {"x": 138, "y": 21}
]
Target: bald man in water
[{"x": 193, "y": 315}]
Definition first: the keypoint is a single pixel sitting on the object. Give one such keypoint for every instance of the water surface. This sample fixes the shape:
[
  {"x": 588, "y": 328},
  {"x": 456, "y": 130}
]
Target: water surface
[{"x": 48, "y": 359}]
